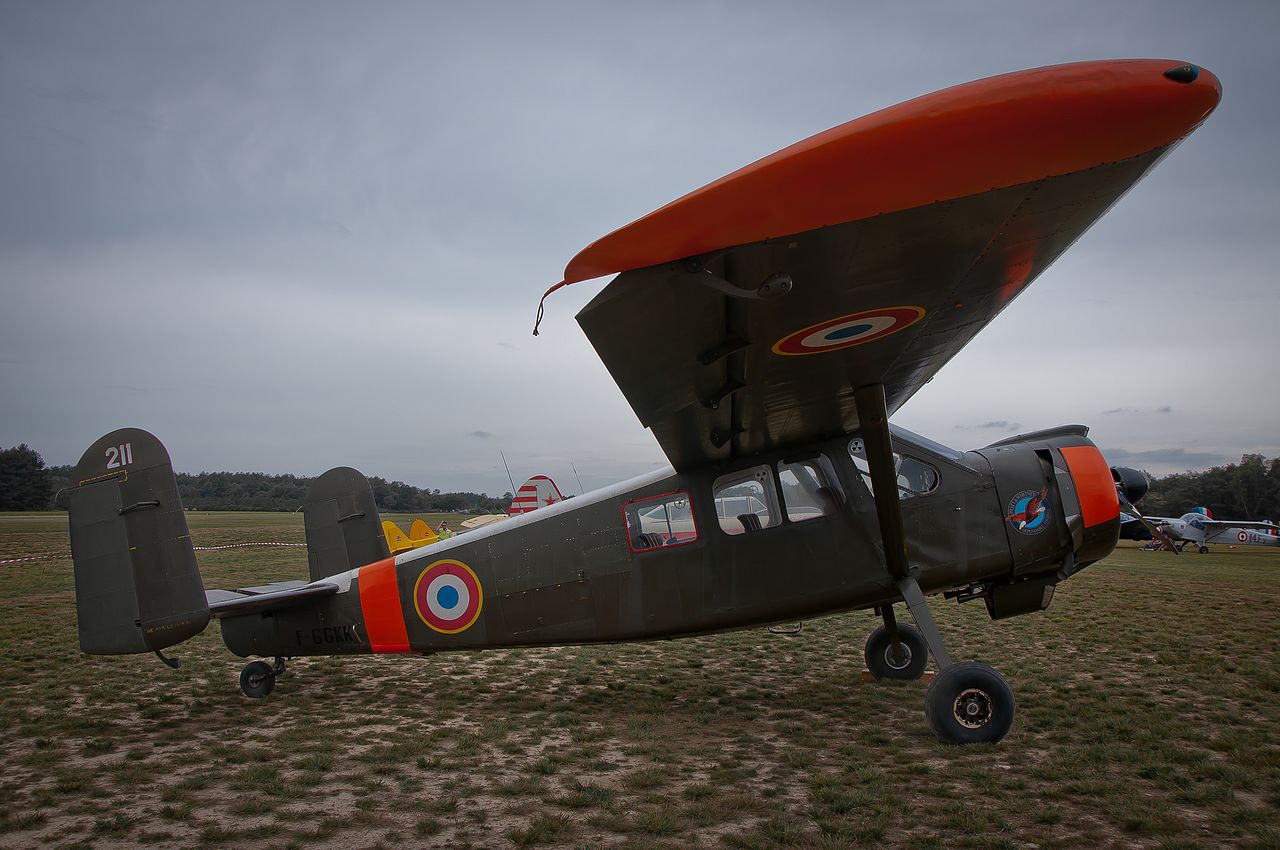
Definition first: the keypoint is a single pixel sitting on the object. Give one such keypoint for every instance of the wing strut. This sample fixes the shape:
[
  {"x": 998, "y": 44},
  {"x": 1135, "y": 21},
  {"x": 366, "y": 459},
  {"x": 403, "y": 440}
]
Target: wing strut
[{"x": 874, "y": 422}]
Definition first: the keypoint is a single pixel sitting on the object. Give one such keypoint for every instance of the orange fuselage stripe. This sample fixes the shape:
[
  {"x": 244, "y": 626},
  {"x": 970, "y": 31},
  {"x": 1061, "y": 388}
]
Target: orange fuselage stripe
[
  {"x": 1003, "y": 131},
  {"x": 1094, "y": 485},
  {"x": 380, "y": 605}
]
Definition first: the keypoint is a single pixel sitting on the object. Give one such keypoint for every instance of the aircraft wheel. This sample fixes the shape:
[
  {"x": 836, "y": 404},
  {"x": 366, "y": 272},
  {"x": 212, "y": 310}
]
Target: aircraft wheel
[
  {"x": 904, "y": 662},
  {"x": 257, "y": 679},
  {"x": 1204, "y": 550},
  {"x": 969, "y": 703}
]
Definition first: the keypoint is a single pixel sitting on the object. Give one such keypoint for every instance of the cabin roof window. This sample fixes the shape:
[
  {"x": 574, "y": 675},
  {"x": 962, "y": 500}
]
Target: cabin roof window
[
  {"x": 655, "y": 523},
  {"x": 915, "y": 477}
]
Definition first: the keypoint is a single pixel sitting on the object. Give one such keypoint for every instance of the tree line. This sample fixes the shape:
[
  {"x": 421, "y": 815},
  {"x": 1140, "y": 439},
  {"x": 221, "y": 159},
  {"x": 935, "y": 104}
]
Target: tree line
[
  {"x": 27, "y": 485},
  {"x": 1247, "y": 490}
]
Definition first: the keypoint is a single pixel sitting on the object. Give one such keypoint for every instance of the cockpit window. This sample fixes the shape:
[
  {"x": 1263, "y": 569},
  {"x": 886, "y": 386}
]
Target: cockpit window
[
  {"x": 915, "y": 477},
  {"x": 746, "y": 500},
  {"x": 658, "y": 522}
]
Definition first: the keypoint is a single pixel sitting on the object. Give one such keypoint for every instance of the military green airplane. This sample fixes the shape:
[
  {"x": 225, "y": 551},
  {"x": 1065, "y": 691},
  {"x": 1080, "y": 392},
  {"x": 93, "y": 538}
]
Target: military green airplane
[{"x": 764, "y": 328}]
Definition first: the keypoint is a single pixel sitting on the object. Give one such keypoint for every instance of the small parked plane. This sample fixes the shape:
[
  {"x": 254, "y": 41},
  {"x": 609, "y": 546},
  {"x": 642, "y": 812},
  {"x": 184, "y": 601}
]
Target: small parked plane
[
  {"x": 764, "y": 328},
  {"x": 1198, "y": 528}
]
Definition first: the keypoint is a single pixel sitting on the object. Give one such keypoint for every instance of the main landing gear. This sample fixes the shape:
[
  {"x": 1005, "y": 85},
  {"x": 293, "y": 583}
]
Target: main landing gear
[
  {"x": 258, "y": 678},
  {"x": 967, "y": 702}
]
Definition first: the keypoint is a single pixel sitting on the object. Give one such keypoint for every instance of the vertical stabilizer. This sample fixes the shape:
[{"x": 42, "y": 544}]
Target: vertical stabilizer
[
  {"x": 138, "y": 588},
  {"x": 342, "y": 524},
  {"x": 538, "y": 492}
]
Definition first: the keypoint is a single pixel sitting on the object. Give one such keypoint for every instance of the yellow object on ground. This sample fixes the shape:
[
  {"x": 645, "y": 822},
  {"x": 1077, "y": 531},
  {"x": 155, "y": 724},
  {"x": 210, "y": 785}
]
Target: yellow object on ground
[{"x": 420, "y": 534}]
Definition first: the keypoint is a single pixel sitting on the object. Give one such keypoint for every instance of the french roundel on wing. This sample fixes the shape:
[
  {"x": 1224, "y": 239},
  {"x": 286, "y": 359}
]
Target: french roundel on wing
[
  {"x": 448, "y": 596},
  {"x": 847, "y": 331}
]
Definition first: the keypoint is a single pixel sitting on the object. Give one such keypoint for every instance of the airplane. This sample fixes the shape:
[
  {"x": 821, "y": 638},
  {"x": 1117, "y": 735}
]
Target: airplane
[
  {"x": 764, "y": 328},
  {"x": 1198, "y": 528},
  {"x": 420, "y": 534},
  {"x": 538, "y": 492}
]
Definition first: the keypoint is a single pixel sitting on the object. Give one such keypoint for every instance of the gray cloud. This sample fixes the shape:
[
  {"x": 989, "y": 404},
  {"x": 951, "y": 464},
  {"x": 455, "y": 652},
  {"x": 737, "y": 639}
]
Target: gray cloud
[
  {"x": 483, "y": 435},
  {"x": 245, "y": 212},
  {"x": 1162, "y": 461}
]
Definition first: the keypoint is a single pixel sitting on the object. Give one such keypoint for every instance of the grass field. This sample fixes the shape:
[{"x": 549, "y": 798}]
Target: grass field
[{"x": 1148, "y": 712}]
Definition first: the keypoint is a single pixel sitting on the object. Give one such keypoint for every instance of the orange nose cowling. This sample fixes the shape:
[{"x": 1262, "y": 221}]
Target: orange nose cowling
[
  {"x": 1099, "y": 504},
  {"x": 1094, "y": 485}
]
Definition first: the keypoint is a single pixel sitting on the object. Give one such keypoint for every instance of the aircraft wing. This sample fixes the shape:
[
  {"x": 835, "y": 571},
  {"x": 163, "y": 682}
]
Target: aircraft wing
[
  {"x": 1219, "y": 524},
  {"x": 749, "y": 311},
  {"x": 281, "y": 594}
]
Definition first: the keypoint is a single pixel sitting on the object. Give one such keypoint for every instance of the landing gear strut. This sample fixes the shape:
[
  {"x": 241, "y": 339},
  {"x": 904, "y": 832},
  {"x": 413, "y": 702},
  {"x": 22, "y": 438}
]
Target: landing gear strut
[
  {"x": 258, "y": 678},
  {"x": 967, "y": 703}
]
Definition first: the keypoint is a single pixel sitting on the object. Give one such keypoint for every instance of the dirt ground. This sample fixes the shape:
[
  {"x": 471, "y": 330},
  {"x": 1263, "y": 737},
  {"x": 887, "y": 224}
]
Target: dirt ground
[{"x": 1148, "y": 705}]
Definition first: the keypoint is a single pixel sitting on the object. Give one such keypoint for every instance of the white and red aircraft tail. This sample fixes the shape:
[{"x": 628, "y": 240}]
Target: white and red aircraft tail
[{"x": 538, "y": 492}]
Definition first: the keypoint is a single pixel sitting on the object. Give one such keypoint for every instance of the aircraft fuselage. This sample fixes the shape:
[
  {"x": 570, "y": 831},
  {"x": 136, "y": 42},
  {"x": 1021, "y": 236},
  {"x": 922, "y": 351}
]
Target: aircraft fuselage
[{"x": 670, "y": 554}]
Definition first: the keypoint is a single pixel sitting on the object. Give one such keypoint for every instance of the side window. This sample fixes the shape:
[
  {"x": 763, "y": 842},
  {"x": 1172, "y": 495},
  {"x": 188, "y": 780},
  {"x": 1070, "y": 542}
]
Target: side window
[
  {"x": 808, "y": 491},
  {"x": 656, "y": 522},
  {"x": 746, "y": 500},
  {"x": 915, "y": 477}
]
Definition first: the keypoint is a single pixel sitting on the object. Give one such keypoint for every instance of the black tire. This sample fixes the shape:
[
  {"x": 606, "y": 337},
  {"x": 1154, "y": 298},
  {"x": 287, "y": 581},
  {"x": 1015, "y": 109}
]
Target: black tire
[
  {"x": 1204, "y": 550},
  {"x": 257, "y": 679},
  {"x": 969, "y": 703},
  {"x": 880, "y": 658}
]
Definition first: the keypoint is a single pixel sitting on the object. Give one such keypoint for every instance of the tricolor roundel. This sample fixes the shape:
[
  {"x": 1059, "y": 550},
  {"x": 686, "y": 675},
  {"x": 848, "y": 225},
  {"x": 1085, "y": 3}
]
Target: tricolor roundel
[
  {"x": 847, "y": 331},
  {"x": 448, "y": 596}
]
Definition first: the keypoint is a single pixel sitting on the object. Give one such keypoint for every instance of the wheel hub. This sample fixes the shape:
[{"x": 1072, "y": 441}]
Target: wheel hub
[
  {"x": 973, "y": 708},
  {"x": 899, "y": 657}
]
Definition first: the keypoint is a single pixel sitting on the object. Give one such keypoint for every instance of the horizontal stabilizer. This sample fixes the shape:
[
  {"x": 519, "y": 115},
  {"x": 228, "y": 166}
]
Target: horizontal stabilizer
[{"x": 281, "y": 594}]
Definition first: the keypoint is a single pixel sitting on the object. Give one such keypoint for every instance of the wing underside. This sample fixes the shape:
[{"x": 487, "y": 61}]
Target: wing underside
[{"x": 718, "y": 371}]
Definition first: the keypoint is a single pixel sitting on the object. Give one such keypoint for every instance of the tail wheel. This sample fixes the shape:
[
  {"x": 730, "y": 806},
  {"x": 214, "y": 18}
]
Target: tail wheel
[
  {"x": 969, "y": 703},
  {"x": 257, "y": 679},
  {"x": 905, "y": 662}
]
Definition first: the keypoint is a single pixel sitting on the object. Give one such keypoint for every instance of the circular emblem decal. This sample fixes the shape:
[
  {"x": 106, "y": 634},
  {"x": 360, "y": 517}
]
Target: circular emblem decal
[
  {"x": 848, "y": 331},
  {"x": 1242, "y": 537},
  {"x": 1028, "y": 511},
  {"x": 448, "y": 596}
]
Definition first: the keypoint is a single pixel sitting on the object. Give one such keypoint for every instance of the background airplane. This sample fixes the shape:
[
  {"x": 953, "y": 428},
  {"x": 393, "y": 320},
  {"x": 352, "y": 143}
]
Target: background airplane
[{"x": 1198, "y": 528}]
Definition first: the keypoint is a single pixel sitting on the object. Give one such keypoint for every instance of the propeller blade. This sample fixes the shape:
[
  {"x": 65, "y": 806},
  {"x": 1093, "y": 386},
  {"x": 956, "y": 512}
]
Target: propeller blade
[{"x": 1155, "y": 530}]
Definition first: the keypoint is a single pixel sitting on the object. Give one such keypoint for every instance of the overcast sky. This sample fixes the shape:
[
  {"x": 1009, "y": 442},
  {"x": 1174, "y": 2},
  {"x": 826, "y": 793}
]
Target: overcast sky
[{"x": 288, "y": 236}]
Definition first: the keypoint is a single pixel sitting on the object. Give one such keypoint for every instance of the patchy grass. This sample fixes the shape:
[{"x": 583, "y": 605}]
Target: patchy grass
[{"x": 1148, "y": 695}]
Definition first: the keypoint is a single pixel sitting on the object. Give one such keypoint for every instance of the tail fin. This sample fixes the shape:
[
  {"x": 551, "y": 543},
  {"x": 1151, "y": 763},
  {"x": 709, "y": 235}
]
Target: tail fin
[
  {"x": 420, "y": 531},
  {"x": 342, "y": 525},
  {"x": 538, "y": 492},
  {"x": 138, "y": 588},
  {"x": 397, "y": 540}
]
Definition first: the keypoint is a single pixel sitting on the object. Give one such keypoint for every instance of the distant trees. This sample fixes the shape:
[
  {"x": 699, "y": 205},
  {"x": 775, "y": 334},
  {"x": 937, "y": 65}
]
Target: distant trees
[
  {"x": 257, "y": 491},
  {"x": 25, "y": 484},
  {"x": 1247, "y": 490}
]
